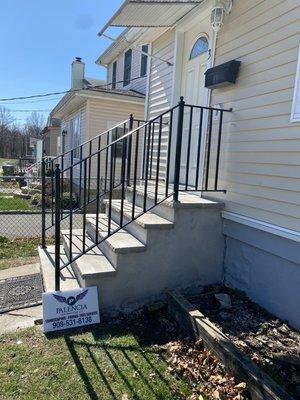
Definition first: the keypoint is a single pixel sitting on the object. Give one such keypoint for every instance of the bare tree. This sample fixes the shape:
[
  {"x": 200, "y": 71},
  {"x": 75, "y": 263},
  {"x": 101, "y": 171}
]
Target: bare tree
[
  {"x": 6, "y": 119},
  {"x": 35, "y": 123}
]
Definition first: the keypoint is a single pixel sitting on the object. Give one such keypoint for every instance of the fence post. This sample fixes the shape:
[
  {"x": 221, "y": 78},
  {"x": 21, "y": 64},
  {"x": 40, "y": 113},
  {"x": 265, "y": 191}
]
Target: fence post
[
  {"x": 129, "y": 150},
  {"x": 178, "y": 147},
  {"x": 43, "y": 173},
  {"x": 57, "y": 227}
]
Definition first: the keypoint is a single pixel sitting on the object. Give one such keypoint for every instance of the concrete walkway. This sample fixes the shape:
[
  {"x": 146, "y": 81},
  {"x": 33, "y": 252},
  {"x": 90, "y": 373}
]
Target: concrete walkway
[{"x": 25, "y": 317}]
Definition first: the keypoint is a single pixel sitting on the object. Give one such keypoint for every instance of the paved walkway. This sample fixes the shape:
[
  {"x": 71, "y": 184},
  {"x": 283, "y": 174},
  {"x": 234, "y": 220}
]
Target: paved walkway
[{"x": 25, "y": 317}]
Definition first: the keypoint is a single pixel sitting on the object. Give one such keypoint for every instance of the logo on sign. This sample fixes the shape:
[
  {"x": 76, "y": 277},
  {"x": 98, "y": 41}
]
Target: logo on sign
[{"x": 71, "y": 300}]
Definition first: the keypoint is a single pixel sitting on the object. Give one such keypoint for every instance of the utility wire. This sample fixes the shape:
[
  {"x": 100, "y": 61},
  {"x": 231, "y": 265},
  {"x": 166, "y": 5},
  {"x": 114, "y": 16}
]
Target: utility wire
[
  {"x": 26, "y": 111},
  {"x": 69, "y": 91}
]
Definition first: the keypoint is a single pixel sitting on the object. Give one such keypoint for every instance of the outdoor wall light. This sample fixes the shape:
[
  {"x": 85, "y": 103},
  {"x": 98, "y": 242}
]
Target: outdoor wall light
[
  {"x": 221, "y": 8},
  {"x": 64, "y": 132}
]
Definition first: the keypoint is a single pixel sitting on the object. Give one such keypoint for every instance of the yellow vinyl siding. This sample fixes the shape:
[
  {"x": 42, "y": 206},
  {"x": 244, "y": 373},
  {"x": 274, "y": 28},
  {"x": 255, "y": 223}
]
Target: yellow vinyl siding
[{"x": 260, "y": 163}]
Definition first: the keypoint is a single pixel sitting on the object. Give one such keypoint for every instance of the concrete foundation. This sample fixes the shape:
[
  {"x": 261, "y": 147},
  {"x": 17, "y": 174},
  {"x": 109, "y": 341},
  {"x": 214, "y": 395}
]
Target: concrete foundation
[{"x": 266, "y": 267}]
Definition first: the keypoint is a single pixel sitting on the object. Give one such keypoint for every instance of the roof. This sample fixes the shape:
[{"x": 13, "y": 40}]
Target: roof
[
  {"x": 93, "y": 82},
  {"x": 150, "y": 13},
  {"x": 76, "y": 98}
]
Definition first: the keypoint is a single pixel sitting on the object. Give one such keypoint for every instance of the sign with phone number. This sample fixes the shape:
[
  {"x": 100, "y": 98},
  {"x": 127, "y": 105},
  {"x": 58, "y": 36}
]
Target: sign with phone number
[{"x": 70, "y": 309}]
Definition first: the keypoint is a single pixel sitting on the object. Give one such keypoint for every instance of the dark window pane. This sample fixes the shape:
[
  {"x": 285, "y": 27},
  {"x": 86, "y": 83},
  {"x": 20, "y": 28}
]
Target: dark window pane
[
  {"x": 116, "y": 134},
  {"x": 127, "y": 67},
  {"x": 114, "y": 75},
  {"x": 144, "y": 60}
]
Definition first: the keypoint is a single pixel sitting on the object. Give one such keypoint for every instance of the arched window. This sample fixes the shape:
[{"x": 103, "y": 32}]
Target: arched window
[{"x": 200, "y": 47}]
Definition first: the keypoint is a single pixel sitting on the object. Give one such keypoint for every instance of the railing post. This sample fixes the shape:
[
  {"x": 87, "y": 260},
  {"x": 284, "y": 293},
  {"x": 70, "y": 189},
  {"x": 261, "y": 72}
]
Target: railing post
[
  {"x": 129, "y": 150},
  {"x": 43, "y": 173},
  {"x": 178, "y": 147},
  {"x": 57, "y": 226}
]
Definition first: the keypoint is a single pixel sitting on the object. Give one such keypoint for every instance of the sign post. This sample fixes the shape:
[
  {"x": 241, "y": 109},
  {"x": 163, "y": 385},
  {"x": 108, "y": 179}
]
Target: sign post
[{"x": 70, "y": 309}]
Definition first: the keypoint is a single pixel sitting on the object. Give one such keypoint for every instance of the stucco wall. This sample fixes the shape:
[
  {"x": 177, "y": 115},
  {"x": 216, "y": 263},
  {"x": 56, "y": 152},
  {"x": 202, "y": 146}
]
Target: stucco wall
[{"x": 266, "y": 267}]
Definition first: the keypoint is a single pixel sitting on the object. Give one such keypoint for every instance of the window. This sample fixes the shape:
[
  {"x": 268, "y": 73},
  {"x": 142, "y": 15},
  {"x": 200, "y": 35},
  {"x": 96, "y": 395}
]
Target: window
[
  {"x": 295, "y": 116},
  {"x": 116, "y": 134},
  {"x": 200, "y": 47},
  {"x": 114, "y": 75},
  {"x": 127, "y": 67},
  {"x": 144, "y": 60},
  {"x": 75, "y": 135}
]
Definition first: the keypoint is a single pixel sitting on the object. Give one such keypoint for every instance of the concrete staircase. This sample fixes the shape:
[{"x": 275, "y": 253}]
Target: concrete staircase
[{"x": 173, "y": 246}]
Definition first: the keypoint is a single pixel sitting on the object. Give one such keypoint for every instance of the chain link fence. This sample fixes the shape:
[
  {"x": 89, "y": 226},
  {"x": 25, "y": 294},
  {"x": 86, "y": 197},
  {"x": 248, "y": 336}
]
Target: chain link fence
[{"x": 20, "y": 208}]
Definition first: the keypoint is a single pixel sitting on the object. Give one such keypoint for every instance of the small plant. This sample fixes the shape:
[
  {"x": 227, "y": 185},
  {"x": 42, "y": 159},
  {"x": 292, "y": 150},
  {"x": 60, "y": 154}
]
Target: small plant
[
  {"x": 36, "y": 200},
  {"x": 65, "y": 201},
  {"x": 3, "y": 239}
]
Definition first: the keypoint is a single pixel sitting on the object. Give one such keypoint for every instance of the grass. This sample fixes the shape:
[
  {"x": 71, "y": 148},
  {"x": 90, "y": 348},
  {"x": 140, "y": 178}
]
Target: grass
[
  {"x": 118, "y": 362},
  {"x": 13, "y": 204},
  {"x": 17, "y": 252}
]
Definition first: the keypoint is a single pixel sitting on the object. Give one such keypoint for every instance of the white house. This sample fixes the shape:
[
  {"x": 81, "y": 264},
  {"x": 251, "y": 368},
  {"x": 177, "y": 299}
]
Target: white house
[{"x": 254, "y": 156}]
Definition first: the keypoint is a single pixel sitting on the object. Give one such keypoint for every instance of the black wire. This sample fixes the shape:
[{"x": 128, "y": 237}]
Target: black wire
[{"x": 69, "y": 91}]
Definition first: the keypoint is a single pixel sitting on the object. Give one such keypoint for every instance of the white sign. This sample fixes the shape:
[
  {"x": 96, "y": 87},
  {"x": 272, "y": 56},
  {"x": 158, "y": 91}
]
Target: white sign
[{"x": 70, "y": 309}]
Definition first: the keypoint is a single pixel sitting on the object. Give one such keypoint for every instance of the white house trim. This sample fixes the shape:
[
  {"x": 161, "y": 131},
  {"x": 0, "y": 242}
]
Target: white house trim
[
  {"x": 295, "y": 117},
  {"x": 263, "y": 226}
]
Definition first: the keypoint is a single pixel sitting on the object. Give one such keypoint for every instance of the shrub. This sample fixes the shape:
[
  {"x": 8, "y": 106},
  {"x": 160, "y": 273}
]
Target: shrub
[
  {"x": 3, "y": 239},
  {"x": 36, "y": 200},
  {"x": 65, "y": 202}
]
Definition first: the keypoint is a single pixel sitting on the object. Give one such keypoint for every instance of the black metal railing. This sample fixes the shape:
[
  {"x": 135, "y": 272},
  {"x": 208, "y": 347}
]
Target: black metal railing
[{"x": 177, "y": 151}]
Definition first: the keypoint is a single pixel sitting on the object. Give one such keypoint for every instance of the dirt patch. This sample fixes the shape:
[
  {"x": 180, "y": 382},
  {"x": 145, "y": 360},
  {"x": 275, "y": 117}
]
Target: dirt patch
[{"x": 269, "y": 342}]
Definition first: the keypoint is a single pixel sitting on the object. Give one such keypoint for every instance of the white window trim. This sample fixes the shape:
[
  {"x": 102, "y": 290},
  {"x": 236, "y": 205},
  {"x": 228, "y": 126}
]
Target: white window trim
[
  {"x": 263, "y": 226},
  {"x": 296, "y": 117}
]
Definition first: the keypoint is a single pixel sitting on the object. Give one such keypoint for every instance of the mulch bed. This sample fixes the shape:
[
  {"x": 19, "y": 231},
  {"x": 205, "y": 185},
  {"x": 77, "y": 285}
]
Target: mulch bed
[
  {"x": 269, "y": 342},
  {"x": 20, "y": 292}
]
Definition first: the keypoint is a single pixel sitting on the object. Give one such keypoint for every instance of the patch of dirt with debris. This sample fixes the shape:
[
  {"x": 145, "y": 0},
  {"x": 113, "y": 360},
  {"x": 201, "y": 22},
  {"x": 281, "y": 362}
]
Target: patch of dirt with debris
[
  {"x": 193, "y": 361},
  {"x": 197, "y": 364},
  {"x": 269, "y": 342}
]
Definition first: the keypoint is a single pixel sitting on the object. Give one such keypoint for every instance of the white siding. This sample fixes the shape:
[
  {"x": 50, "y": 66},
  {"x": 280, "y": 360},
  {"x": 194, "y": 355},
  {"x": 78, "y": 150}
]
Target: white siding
[
  {"x": 136, "y": 84},
  {"x": 160, "y": 90},
  {"x": 103, "y": 112},
  {"x": 260, "y": 166}
]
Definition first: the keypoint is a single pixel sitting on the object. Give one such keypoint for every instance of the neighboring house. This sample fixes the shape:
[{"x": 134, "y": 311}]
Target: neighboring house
[
  {"x": 260, "y": 149},
  {"x": 86, "y": 113},
  {"x": 36, "y": 148},
  {"x": 51, "y": 137}
]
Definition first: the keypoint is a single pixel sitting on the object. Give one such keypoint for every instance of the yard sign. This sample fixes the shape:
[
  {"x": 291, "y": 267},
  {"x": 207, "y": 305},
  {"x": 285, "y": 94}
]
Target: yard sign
[{"x": 70, "y": 309}]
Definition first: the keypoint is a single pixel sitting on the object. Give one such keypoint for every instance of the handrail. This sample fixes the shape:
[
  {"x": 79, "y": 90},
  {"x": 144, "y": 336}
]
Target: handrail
[
  {"x": 139, "y": 162},
  {"x": 94, "y": 138}
]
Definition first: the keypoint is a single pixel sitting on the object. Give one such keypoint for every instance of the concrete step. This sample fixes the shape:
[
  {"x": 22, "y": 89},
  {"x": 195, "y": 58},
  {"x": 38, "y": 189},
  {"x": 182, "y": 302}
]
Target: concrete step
[
  {"x": 166, "y": 207},
  {"x": 141, "y": 225},
  {"x": 68, "y": 280},
  {"x": 120, "y": 243},
  {"x": 90, "y": 267}
]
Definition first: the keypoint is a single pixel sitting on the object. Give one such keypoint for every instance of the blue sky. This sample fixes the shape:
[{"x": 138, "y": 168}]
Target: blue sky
[{"x": 40, "y": 39}]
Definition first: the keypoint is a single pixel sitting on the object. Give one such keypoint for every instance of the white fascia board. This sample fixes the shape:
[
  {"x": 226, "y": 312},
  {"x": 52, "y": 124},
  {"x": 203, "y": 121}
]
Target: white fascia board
[
  {"x": 263, "y": 226},
  {"x": 113, "y": 97}
]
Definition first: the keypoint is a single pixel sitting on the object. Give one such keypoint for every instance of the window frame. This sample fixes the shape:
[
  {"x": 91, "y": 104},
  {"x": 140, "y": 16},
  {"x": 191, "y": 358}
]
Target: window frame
[
  {"x": 114, "y": 74},
  {"x": 295, "y": 117},
  {"x": 144, "y": 61},
  {"x": 127, "y": 68}
]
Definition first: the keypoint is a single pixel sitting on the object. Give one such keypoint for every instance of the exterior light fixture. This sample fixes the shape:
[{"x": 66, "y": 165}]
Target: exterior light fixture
[
  {"x": 64, "y": 132},
  {"x": 221, "y": 8}
]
